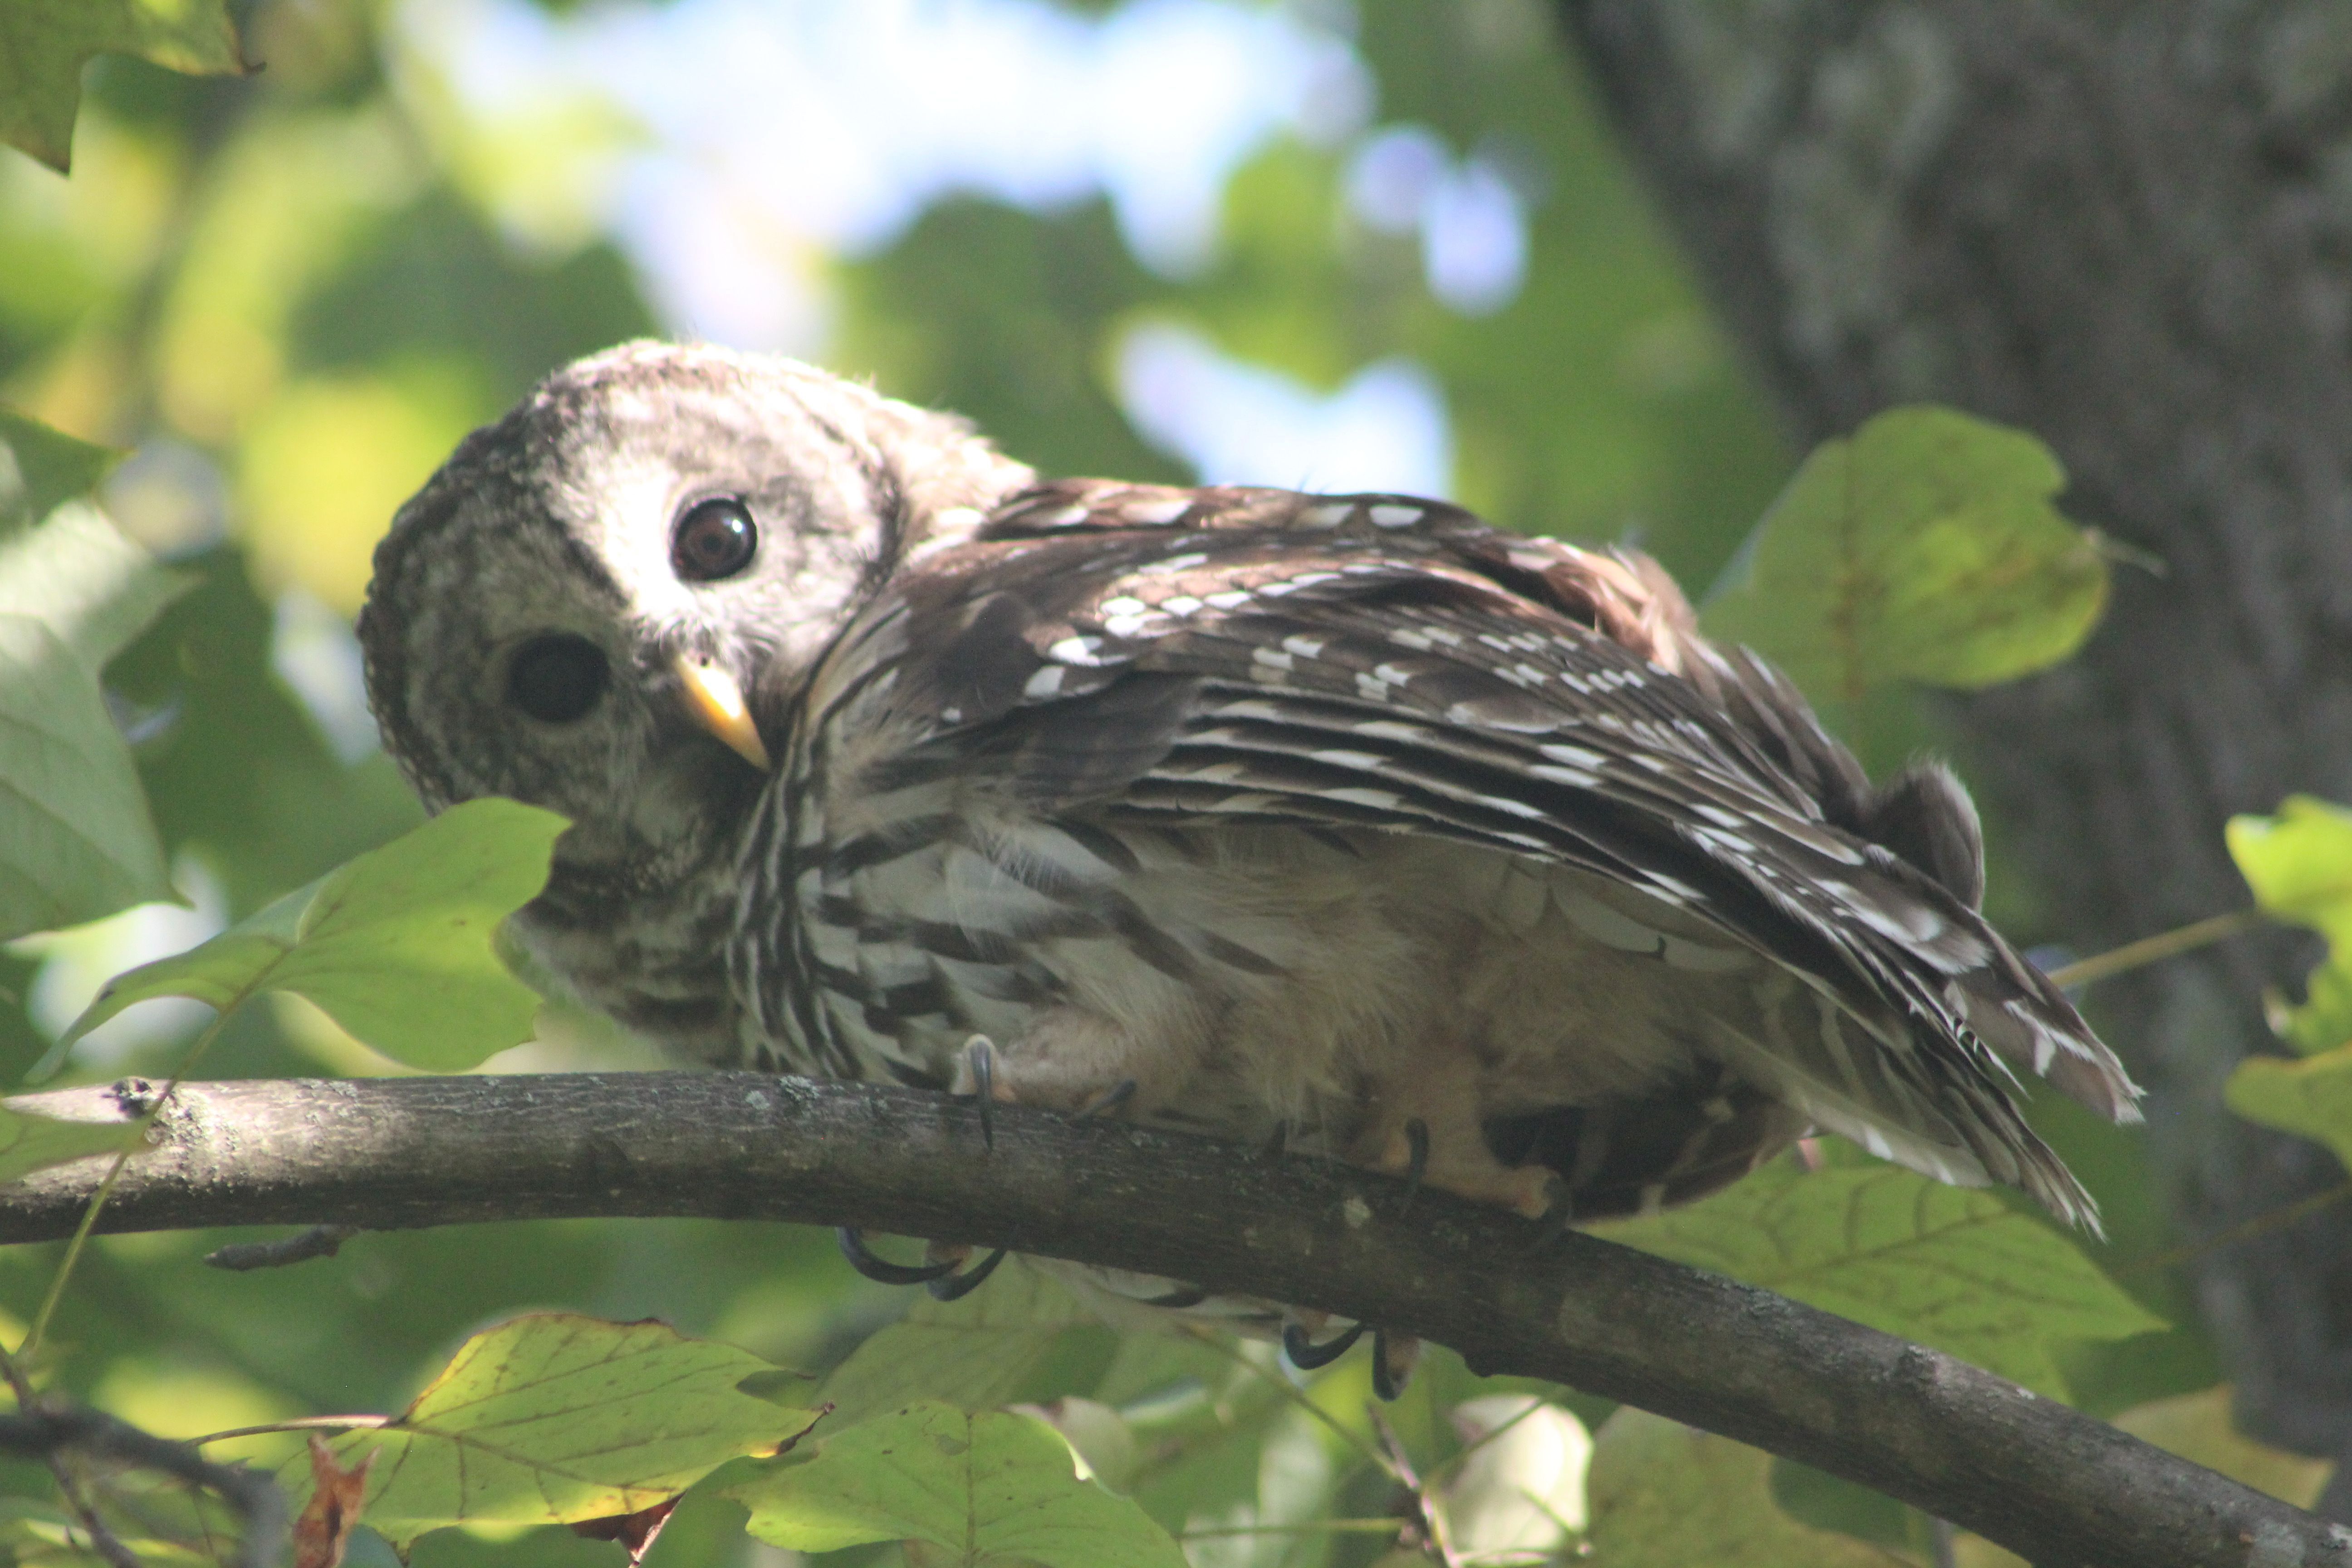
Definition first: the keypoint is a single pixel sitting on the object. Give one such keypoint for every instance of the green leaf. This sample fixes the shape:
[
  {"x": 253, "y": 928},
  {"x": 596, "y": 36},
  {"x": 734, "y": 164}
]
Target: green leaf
[
  {"x": 987, "y": 1488},
  {"x": 557, "y": 1417},
  {"x": 974, "y": 1352},
  {"x": 1948, "y": 1266},
  {"x": 1924, "y": 547},
  {"x": 44, "y": 44},
  {"x": 1664, "y": 1495},
  {"x": 2312, "y": 1098},
  {"x": 41, "y": 469},
  {"x": 2299, "y": 864},
  {"x": 398, "y": 946},
  {"x": 30, "y": 1141},
  {"x": 76, "y": 841}
]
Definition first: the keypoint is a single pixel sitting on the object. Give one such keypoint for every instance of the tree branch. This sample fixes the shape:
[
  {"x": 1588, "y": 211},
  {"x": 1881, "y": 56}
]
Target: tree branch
[
  {"x": 48, "y": 1433},
  {"x": 1957, "y": 1442}
]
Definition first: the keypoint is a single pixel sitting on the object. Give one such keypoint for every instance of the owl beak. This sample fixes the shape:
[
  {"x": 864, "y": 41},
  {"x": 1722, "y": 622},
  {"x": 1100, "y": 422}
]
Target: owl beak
[{"x": 716, "y": 701}]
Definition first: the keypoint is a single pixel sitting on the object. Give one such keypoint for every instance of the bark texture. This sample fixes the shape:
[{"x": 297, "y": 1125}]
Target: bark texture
[
  {"x": 2127, "y": 226},
  {"x": 2059, "y": 1488}
]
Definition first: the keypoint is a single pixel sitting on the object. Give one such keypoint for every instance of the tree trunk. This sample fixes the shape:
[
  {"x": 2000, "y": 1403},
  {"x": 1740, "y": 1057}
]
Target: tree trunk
[{"x": 2123, "y": 225}]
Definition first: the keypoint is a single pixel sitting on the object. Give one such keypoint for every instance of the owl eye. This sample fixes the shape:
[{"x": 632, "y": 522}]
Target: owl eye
[
  {"x": 715, "y": 539},
  {"x": 558, "y": 678}
]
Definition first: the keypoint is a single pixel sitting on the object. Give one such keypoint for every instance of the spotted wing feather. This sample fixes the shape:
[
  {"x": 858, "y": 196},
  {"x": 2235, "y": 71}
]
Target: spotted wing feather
[{"x": 1231, "y": 655}]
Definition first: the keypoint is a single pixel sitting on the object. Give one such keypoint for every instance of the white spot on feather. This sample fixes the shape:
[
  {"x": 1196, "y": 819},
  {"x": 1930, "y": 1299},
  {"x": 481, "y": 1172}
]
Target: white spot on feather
[
  {"x": 1392, "y": 516},
  {"x": 1577, "y": 756},
  {"x": 1079, "y": 650}
]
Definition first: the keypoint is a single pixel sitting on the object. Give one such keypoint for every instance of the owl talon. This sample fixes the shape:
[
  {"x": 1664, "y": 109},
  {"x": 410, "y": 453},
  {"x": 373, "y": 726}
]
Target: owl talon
[
  {"x": 1307, "y": 1356},
  {"x": 956, "y": 1287},
  {"x": 1176, "y": 1300},
  {"x": 980, "y": 1055},
  {"x": 1416, "y": 1134},
  {"x": 1109, "y": 1100},
  {"x": 1393, "y": 1358},
  {"x": 881, "y": 1270}
]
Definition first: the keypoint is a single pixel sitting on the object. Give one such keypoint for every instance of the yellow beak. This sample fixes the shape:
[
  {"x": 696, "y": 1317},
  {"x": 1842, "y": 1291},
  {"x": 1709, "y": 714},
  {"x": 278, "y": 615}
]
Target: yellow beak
[{"x": 717, "y": 703}]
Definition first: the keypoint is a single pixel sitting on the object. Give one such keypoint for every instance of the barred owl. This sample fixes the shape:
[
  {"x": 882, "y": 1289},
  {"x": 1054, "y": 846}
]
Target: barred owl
[{"x": 1239, "y": 810}]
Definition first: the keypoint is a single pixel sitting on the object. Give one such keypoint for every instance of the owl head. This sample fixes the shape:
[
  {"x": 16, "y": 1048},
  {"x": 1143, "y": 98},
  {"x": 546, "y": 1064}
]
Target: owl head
[{"x": 573, "y": 610}]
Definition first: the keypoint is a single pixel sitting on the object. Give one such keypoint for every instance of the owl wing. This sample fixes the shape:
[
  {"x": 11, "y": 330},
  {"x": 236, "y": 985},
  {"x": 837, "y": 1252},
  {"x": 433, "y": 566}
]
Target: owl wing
[{"x": 1132, "y": 654}]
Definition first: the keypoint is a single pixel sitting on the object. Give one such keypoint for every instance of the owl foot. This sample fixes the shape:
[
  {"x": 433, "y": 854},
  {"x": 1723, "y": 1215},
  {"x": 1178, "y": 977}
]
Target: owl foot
[
  {"x": 1307, "y": 1355},
  {"x": 883, "y": 1271},
  {"x": 1393, "y": 1359},
  {"x": 956, "y": 1287}
]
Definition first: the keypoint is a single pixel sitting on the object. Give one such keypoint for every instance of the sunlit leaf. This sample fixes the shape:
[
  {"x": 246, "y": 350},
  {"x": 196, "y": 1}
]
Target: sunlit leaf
[
  {"x": 2299, "y": 864},
  {"x": 986, "y": 1488},
  {"x": 41, "y": 469},
  {"x": 1664, "y": 1495},
  {"x": 30, "y": 1143},
  {"x": 44, "y": 44},
  {"x": 975, "y": 1352},
  {"x": 1952, "y": 1267},
  {"x": 554, "y": 1418},
  {"x": 1924, "y": 547},
  {"x": 398, "y": 946},
  {"x": 76, "y": 840},
  {"x": 2311, "y": 1098}
]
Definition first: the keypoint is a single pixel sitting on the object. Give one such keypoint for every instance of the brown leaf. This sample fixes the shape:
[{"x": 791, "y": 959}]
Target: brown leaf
[
  {"x": 325, "y": 1527},
  {"x": 634, "y": 1531}
]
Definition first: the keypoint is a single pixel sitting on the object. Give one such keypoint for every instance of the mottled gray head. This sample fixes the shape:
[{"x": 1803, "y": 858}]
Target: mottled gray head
[{"x": 566, "y": 613}]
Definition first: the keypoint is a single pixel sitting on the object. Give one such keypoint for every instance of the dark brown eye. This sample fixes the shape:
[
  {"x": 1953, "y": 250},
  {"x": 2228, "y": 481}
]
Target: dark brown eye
[
  {"x": 715, "y": 539},
  {"x": 558, "y": 678}
]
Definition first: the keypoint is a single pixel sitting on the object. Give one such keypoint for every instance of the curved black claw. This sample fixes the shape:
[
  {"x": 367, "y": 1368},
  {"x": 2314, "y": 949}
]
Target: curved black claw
[
  {"x": 882, "y": 1270},
  {"x": 1416, "y": 1134},
  {"x": 1386, "y": 1381},
  {"x": 1307, "y": 1355},
  {"x": 1179, "y": 1299},
  {"x": 956, "y": 1287},
  {"x": 979, "y": 1051},
  {"x": 1109, "y": 1100}
]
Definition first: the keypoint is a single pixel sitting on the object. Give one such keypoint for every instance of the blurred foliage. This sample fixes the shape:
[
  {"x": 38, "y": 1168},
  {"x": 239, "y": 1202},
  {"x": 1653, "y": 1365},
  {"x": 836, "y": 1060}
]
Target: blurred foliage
[{"x": 288, "y": 294}]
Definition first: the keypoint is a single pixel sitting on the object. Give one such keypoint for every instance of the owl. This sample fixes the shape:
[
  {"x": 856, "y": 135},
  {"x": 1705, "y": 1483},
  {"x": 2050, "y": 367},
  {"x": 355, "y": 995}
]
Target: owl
[{"x": 1341, "y": 819}]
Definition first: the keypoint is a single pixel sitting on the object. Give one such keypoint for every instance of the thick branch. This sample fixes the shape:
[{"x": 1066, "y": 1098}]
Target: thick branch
[{"x": 1960, "y": 1443}]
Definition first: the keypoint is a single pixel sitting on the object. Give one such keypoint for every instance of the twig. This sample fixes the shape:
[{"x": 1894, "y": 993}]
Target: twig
[
  {"x": 46, "y": 1433},
  {"x": 1954, "y": 1441},
  {"x": 319, "y": 1241},
  {"x": 2155, "y": 949}
]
